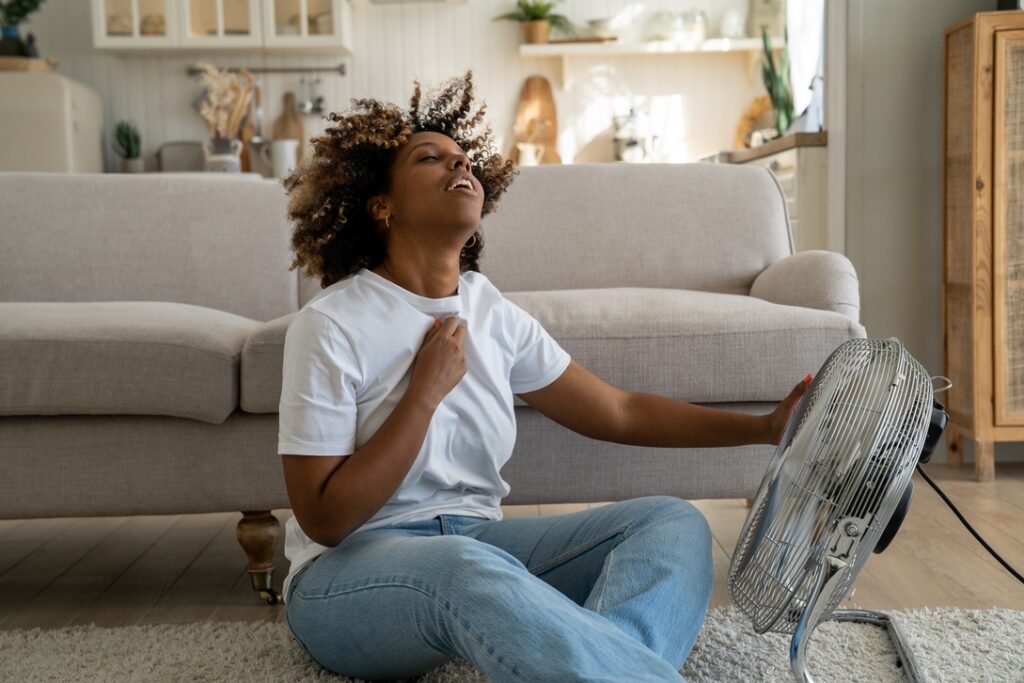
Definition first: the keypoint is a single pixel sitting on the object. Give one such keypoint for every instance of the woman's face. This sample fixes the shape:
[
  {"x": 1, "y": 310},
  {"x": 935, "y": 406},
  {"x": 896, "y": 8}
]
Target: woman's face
[{"x": 420, "y": 199}]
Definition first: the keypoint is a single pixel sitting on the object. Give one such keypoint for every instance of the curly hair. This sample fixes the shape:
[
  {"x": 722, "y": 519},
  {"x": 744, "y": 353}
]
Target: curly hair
[{"x": 334, "y": 234}]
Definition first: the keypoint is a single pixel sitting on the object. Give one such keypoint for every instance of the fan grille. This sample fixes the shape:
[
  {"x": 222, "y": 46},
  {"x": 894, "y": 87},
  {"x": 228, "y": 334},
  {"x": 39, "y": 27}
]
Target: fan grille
[{"x": 846, "y": 457}]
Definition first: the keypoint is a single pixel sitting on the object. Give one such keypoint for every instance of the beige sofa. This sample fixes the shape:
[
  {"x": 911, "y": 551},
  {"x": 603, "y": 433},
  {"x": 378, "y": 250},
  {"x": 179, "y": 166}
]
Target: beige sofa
[{"x": 142, "y": 319}]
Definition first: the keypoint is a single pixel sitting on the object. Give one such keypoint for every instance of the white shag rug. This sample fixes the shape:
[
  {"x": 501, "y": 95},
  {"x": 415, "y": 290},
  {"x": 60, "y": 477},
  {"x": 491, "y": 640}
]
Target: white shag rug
[{"x": 949, "y": 645}]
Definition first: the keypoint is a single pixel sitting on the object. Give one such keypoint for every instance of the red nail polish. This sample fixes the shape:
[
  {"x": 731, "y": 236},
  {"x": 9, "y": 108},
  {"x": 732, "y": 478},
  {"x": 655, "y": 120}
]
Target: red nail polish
[{"x": 807, "y": 378}]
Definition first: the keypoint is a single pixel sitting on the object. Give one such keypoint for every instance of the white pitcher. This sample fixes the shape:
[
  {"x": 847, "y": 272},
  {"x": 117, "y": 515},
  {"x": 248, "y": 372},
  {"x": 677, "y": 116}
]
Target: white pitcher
[
  {"x": 221, "y": 155},
  {"x": 530, "y": 153},
  {"x": 281, "y": 155}
]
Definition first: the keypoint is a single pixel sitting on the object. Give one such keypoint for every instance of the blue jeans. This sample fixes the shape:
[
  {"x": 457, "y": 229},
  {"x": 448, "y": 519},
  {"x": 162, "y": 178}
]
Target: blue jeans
[{"x": 614, "y": 593}]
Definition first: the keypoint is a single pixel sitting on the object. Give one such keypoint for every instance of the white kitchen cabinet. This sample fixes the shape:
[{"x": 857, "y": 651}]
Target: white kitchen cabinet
[
  {"x": 220, "y": 23},
  {"x": 279, "y": 25},
  {"x": 307, "y": 23},
  {"x": 134, "y": 23}
]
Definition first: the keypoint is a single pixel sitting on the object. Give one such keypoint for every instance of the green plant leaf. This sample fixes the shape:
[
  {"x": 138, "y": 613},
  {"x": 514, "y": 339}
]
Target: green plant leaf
[
  {"x": 126, "y": 140},
  {"x": 530, "y": 10}
]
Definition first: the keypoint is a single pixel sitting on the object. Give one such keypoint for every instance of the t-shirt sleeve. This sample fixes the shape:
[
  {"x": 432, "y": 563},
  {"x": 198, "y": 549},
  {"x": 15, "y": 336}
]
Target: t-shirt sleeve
[
  {"x": 539, "y": 359},
  {"x": 319, "y": 379}
]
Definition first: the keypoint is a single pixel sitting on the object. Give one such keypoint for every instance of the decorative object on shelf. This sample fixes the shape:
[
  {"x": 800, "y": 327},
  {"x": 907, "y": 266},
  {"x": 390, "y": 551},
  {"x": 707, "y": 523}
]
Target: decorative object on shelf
[
  {"x": 119, "y": 25},
  {"x": 312, "y": 101},
  {"x": 536, "y": 122},
  {"x": 323, "y": 22},
  {"x": 153, "y": 25},
  {"x": 222, "y": 106},
  {"x": 280, "y": 155},
  {"x": 537, "y": 19},
  {"x": 755, "y": 118},
  {"x": 127, "y": 145},
  {"x": 602, "y": 27},
  {"x": 12, "y": 13},
  {"x": 733, "y": 24},
  {"x": 663, "y": 26},
  {"x": 252, "y": 130},
  {"x": 767, "y": 15},
  {"x": 530, "y": 153},
  {"x": 633, "y": 139},
  {"x": 694, "y": 29},
  {"x": 776, "y": 82},
  {"x": 222, "y": 155},
  {"x": 289, "y": 124}
]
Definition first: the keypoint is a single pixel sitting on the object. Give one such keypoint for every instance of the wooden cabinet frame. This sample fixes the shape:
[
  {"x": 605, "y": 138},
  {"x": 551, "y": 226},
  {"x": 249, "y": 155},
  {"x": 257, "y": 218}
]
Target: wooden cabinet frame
[{"x": 973, "y": 352}]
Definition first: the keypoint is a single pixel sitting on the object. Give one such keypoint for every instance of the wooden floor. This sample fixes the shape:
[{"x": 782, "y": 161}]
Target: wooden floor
[{"x": 114, "y": 571}]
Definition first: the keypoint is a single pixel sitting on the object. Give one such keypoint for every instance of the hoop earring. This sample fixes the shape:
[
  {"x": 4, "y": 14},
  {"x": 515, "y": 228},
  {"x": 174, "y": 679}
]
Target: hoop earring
[{"x": 470, "y": 246}]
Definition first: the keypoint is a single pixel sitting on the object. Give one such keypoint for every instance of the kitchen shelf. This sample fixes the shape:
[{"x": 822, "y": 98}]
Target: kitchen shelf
[{"x": 753, "y": 47}]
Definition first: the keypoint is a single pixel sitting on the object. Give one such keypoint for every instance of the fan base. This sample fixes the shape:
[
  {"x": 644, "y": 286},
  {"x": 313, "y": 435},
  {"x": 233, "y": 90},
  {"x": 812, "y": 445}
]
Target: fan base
[{"x": 903, "y": 652}]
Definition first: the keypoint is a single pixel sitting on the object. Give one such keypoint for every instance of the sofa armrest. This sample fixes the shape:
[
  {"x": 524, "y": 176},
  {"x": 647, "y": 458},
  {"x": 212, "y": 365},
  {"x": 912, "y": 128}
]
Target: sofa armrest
[{"x": 818, "y": 279}]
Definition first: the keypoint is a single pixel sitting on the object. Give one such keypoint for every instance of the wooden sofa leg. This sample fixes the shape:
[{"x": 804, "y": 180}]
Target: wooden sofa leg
[{"x": 258, "y": 533}]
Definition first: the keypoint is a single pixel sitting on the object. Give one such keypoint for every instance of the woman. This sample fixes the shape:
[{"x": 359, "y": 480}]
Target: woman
[{"x": 396, "y": 416}]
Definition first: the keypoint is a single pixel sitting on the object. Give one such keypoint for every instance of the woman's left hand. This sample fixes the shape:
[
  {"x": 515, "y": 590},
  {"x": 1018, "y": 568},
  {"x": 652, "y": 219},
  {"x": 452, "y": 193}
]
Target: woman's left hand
[{"x": 779, "y": 418}]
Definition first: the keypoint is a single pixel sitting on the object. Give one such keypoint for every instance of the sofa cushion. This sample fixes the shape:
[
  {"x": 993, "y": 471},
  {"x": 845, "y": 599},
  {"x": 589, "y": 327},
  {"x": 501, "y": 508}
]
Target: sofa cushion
[
  {"x": 203, "y": 239},
  {"x": 699, "y": 226},
  {"x": 120, "y": 357},
  {"x": 262, "y": 362},
  {"x": 688, "y": 345},
  {"x": 700, "y": 347}
]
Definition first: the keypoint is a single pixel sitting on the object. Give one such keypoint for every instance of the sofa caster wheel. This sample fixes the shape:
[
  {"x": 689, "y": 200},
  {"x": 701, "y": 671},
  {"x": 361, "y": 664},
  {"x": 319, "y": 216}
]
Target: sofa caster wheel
[{"x": 271, "y": 596}]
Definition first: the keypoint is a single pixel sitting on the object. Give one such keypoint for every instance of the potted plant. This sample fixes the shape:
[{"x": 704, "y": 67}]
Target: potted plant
[
  {"x": 126, "y": 145},
  {"x": 537, "y": 19},
  {"x": 776, "y": 82},
  {"x": 12, "y": 13}
]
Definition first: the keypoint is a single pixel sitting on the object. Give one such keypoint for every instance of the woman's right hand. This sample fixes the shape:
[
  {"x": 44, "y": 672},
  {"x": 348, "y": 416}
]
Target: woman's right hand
[{"x": 440, "y": 363}]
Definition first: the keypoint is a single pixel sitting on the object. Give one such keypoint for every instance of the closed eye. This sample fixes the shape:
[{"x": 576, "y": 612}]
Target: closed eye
[{"x": 428, "y": 157}]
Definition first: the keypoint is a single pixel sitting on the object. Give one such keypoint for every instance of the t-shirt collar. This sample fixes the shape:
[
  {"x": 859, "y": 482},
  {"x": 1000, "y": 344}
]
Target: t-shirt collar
[{"x": 423, "y": 303}]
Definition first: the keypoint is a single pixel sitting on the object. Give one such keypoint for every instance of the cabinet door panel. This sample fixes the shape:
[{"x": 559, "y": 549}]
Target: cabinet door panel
[
  {"x": 220, "y": 23},
  {"x": 134, "y": 24},
  {"x": 958, "y": 222},
  {"x": 1008, "y": 227}
]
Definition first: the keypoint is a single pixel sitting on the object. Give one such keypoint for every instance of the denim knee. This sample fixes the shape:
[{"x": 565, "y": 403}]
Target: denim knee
[
  {"x": 683, "y": 517},
  {"x": 659, "y": 507}
]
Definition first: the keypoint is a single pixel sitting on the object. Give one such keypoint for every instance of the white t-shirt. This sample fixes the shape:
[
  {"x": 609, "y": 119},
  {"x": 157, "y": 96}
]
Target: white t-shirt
[{"x": 348, "y": 357}]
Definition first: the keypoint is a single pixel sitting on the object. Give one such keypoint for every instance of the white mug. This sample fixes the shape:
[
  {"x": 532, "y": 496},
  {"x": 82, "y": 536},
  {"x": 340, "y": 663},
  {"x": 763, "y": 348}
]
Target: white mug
[
  {"x": 530, "y": 153},
  {"x": 281, "y": 155}
]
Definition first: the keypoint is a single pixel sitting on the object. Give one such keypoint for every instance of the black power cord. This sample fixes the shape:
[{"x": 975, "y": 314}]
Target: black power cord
[{"x": 967, "y": 524}]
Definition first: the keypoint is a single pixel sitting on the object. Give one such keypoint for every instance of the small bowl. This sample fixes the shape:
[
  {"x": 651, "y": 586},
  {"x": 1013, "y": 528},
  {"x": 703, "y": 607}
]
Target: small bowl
[{"x": 600, "y": 27}]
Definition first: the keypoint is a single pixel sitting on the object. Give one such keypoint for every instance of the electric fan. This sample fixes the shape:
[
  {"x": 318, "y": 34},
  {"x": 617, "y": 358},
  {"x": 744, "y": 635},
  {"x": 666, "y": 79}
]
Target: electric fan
[{"x": 836, "y": 490}]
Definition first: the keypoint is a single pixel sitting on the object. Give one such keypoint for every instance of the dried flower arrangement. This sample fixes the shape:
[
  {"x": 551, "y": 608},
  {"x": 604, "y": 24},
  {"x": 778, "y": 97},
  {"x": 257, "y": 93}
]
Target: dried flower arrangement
[{"x": 226, "y": 100}]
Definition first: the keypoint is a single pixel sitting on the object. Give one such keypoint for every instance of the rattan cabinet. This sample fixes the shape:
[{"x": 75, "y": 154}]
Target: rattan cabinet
[{"x": 983, "y": 234}]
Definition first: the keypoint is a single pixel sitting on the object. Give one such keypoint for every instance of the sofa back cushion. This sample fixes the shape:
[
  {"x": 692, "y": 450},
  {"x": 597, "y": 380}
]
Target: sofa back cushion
[
  {"x": 203, "y": 239},
  {"x": 708, "y": 227}
]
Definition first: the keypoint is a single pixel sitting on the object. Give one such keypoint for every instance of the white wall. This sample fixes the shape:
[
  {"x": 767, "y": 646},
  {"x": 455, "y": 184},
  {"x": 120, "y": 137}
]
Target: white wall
[
  {"x": 894, "y": 181},
  {"x": 695, "y": 99}
]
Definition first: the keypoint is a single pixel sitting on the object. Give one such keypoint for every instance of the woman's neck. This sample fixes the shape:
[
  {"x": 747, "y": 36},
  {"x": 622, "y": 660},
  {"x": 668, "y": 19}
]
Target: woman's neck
[{"x": 434, "y": 281}]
